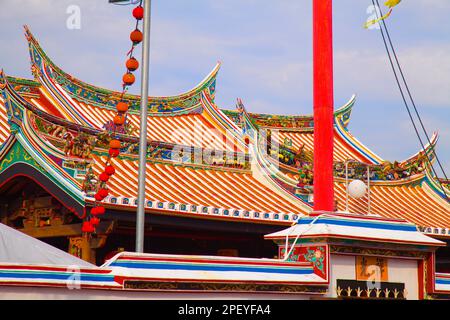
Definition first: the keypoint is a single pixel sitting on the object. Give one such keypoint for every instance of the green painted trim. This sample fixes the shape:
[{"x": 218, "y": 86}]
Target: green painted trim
[{"x": 18, "y": 154}]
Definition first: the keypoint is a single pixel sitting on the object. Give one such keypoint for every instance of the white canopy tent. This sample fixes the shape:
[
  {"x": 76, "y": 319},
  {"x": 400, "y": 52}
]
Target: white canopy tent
[{"x": 19, "y": 248}]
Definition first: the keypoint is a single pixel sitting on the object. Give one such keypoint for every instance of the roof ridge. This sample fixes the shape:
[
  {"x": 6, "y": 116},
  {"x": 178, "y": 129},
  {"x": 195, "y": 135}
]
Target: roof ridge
[
  {"x": 103, "y": 97},
  {"x": 342, "y": 114}
]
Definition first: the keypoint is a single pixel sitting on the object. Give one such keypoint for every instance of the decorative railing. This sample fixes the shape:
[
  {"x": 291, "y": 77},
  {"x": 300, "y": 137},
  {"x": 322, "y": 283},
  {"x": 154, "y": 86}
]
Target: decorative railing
[{"x": 386, "y": 171}]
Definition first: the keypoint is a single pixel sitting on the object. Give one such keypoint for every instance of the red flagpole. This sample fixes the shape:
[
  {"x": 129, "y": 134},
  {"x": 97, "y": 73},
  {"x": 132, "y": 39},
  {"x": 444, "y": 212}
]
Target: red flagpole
[{"x": 323, "y": 105}]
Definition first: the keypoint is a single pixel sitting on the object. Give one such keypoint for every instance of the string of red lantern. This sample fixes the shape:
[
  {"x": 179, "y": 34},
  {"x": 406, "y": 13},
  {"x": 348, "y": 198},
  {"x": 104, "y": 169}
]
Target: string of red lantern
[{"x": 92, "y": 219}]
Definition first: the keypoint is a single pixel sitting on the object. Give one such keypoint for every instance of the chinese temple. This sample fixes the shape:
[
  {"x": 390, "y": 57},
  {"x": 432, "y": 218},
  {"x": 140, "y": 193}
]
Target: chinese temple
[{"x": 219, "y": 182}]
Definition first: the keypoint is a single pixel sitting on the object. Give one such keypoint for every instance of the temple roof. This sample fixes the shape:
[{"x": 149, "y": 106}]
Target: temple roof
[
  {"x": 415, "y": 201},
  {"x": 94, "y": 95},
  {"x": 217, "y": 190},
  {"x": 242, "y": 187},
  {"x": 356, "y": 227}
]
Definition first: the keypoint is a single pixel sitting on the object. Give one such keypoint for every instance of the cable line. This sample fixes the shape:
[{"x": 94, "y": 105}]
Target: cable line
[
  {"x": 404, "y": 99},
  {"x": 410, "y": 95}
]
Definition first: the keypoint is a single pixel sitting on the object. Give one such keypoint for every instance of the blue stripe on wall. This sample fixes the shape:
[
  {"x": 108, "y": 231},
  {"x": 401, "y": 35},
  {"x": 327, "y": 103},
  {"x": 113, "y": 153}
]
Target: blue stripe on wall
[
  {"x": 55, "y": 276},
  {"x": 166, "y": 266},
  {"x": 375, "y": 225},
  {"x": 443, "y": 281}
]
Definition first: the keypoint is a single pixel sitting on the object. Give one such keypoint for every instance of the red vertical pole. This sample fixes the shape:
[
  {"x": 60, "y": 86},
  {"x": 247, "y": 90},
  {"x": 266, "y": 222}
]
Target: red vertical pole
[{"x": 323, "y": 105}]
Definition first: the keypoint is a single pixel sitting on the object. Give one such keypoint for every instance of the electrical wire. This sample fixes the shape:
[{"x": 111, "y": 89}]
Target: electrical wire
[
  {"x": 410, "y": 95},
  {"x": 405, "y": 101}
]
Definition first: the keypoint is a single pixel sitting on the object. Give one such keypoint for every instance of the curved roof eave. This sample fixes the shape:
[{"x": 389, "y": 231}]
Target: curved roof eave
[
  {"x": 342, "y": 114},
  {"x": 207, "y": 83},
  {"x": 440, "y": 190},
  {"x": 428, "y": 148}
]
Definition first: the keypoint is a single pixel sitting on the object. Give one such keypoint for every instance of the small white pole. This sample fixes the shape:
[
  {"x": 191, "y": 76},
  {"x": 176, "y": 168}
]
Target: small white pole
[
  {"x": 346, "y": 186},
  {"x": 140, "y": 217}
]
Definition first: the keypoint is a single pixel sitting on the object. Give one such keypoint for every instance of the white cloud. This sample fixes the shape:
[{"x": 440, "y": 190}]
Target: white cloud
[{"x": 427, "y": 71}]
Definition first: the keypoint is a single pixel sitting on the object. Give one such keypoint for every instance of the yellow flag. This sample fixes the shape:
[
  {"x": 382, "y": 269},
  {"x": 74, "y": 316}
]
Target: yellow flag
[
  {"x": 390, "y": 4},
  {"x": 374, "y": 21}
]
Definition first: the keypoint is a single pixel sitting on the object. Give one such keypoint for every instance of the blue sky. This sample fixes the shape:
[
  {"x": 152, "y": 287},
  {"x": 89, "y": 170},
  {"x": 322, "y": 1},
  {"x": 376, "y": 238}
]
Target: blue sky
[{"x": 265, "y": 50}]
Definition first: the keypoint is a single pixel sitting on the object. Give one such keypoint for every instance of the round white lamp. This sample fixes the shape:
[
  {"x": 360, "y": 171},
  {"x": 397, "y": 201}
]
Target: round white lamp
[{"x": 357, "y": 189}]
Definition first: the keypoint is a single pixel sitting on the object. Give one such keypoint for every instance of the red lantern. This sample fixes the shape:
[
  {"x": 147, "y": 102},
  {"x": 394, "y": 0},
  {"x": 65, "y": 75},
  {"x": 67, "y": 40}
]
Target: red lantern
[
  {"x": 136, "y": 36},
  {"x": 103, "y": 192},
  {"x": 114, "y": 152},
  {"x": 119, "y": 120},
  {"x": 98, "y": 197},
  {"x": 110, "y": 170},
  {"x": 87, "y": 227},
  {"x": 128, "y": 79},
  {"x": 104, "y": 177},
  {"x": 101, "y": 211},
  {"x": 132, "y": 64},
  {"x": 94, "y": 221},
  {"x": 115, "y": 144},
  {"x": 98, "y": 211},
  {"x": 138, "y": 13},
  {"x": 122, "y": 107}
]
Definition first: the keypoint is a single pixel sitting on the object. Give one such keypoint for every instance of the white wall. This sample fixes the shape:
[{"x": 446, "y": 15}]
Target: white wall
[
  {"x": 405, "y": 271},
  {"x": 42, "y": 293},
  {"x": 341, "y": 267},
  {"x": 399, "y": 270}
]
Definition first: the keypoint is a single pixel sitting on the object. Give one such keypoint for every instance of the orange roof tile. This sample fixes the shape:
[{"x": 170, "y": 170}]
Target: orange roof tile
[
  {"x": 227, "y": 189},
  {"x": 4, "y": 126},
  {"x": 411, "y": 202},
  {"x": 342, "y": 151}
]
